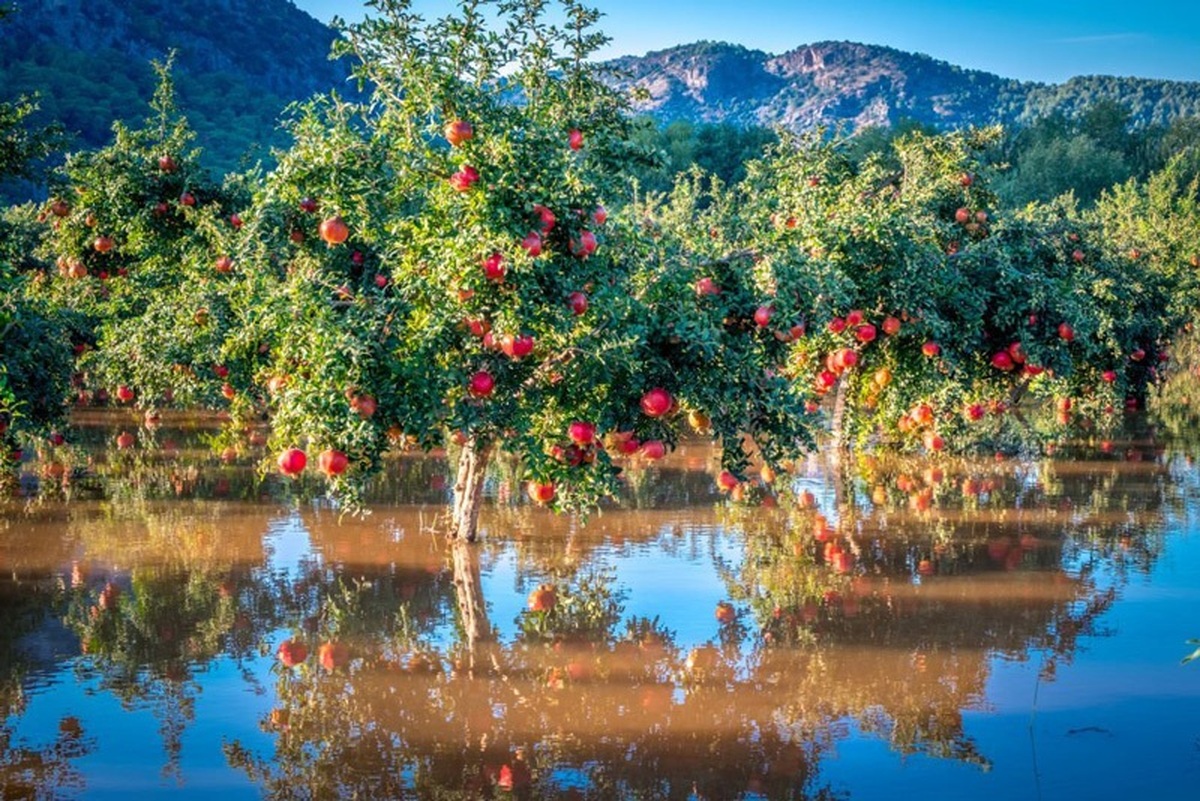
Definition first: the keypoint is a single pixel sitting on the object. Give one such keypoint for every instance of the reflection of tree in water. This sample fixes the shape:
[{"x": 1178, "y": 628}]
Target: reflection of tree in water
[
  {"x": 887, "y": 613},
  {"x": 577, "y": 706},
  {"x": 46, "y": 771},
  {"x": 192, "y": 596},
  {"x": 30, "y": 596},
  {"x": 890, "y": 611}
]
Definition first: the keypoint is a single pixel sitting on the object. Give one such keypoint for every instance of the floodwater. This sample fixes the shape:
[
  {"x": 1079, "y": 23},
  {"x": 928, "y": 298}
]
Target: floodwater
[{"x": 176, "y": 625}]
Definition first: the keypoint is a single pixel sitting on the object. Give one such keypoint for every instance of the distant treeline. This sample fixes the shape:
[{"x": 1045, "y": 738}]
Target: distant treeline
[{"x": 1084, "y": 153}]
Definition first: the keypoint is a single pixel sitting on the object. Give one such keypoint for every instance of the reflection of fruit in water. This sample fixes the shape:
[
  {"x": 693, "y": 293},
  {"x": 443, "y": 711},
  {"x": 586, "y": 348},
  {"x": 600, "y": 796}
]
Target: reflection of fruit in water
[
  {"x": 725, "y": 613},
  {"x": 543, "y": 598},
  {"x": 333, "y": 655},
  {"x": 109, "y": 596},
  {"x": 292, "y": 653}
]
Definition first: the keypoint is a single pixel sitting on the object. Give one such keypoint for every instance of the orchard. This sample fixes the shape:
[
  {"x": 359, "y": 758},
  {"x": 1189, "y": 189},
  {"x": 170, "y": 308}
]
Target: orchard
[{"x": 462, "y": 259}]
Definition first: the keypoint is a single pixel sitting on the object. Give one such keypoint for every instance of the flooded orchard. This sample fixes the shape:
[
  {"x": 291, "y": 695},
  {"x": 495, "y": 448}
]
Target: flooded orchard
[{"x": 178, "y": 624}]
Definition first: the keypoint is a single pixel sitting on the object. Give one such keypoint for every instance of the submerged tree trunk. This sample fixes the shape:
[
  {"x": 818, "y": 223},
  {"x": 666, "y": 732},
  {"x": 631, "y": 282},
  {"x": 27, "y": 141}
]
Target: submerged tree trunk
[
  {"x": 839, "y": 457},
  {"x": 468, "y": 586},
  {"x": 839, "y": 436},
  {"x": 468, "y": 489}
]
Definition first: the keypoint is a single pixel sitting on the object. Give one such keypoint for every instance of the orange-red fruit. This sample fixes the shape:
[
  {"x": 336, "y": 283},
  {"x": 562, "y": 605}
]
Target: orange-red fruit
[
  {"x": 931, "y": 349},
  {"x": 125, "y": 440},
  {"x": 292, "y": 462},
  {"x": 224, "y": 264},
  {"x": 333, "y": 462},
  {"x": 1137, "y": 355},
  {"x": 464, "y": 179},
  {"x": 725, "y": 613},
  {"x": 1001, "y": 360},
  {"x": 891, "y": 325},
  {"x": 934, "y": 442},
  {"x": 532, "y": 244},
  {"x": 584, "y": 246},
  {"x": 1066, "y": 332},
  {"x": 124, "y": 394},
  {"x": 727, "y": 481},
  {"x": 517, "y": 347},
  {"x": 103, "y": 244},
  {"x": 546, "y": 218},
  {"x": 1077, "y": 255},
  {"x": 458, "y": 131},
  {"x": 334, "y": 230},
  {"x": 481, "y": 384},
  {"x": 582, "y": 433},
  {"x": 1109, "y": 375},
  {"x": 364, "y": 406},
  {"x": 653, "y": 449},
  {"x": 493, "y": 267},
  {"x": 575, "y": 139},
  {"x": 762, "y": 316},
  {"x": 657, "y": 402},
  {"x": 541, "y": 493},
  {"x": 962, "y": 215},
  {"x": 865, "y": 333}
]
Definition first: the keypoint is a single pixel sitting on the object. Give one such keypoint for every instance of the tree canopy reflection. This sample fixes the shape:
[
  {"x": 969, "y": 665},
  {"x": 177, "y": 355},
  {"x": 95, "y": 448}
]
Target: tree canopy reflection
[{"x": 876, "y": 604}]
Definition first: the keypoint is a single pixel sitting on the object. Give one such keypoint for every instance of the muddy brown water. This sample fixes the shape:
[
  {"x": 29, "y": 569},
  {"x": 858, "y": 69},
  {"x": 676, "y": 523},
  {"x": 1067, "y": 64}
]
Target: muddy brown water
[{"x": 990, "y": 629}]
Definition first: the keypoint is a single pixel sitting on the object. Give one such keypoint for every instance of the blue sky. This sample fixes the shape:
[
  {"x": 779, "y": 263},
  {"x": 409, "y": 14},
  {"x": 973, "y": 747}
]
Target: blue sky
[{"x": 1046, "y": 40}]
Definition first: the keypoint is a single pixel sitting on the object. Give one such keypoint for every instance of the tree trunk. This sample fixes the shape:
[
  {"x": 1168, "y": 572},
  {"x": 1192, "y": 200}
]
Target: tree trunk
[
  {"x": 839, "y": 457},
  {"x": 468, "y": 586},
  {"x": 468, "y": 489},
  {"x": 838, "y": 434}
]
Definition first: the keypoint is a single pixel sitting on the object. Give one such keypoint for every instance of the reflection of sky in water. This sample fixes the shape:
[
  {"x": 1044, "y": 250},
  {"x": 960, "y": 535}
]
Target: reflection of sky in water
[
  {"x": 680, "y": 584},
  {"x": 287, "y": 544},
  {"x": 1120, "y": 721}
]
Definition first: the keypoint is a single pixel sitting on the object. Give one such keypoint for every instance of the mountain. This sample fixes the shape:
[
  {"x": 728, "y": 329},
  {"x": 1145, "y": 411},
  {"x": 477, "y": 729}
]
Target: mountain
[
  {"x": 858, "y": 85},
  {"x": 238, "y": 64}
]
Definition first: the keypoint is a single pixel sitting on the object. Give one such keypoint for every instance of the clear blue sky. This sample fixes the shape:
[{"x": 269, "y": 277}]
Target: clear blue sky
[{"x": 1043, "y": 40}]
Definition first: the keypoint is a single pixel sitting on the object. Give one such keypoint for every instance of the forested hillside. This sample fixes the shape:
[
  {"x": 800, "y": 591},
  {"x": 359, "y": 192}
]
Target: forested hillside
[{"x": 238, "y": 65}]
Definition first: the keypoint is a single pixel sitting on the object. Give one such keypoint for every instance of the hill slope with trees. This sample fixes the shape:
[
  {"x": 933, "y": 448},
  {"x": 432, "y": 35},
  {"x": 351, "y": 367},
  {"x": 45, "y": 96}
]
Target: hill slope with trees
[{"x": 238, "y": 64}]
